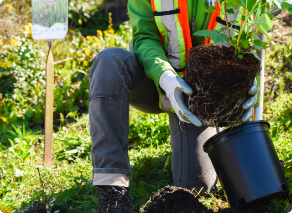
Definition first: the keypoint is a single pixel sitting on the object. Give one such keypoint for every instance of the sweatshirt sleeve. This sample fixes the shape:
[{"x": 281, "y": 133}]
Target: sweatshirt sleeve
[{"x": 146, "y": 40}]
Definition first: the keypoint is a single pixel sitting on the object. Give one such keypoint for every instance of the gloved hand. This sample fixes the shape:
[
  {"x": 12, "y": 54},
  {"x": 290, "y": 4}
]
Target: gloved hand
[
  {"x": 174, "y": 87},
  {"x": 248, "y": 105}
]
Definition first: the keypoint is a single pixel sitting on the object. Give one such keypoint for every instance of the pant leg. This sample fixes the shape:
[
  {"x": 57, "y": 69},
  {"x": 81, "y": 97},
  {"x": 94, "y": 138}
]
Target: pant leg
[
  {"x": 116, "y": 77},
  {"x": 191, "y": 166}
]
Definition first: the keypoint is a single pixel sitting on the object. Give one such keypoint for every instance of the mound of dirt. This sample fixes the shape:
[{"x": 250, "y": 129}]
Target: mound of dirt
[
  {"x": 220, "y": 83},
  {"x": 174, "y": 199},
  {"x": 178, "y": 200}
]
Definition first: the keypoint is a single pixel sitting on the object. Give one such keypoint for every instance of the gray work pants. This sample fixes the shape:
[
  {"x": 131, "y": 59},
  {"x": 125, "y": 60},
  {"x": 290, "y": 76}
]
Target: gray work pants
[{"x": 116, "y": 81}]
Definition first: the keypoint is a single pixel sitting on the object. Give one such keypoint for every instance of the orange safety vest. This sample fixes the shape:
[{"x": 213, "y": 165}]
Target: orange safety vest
[{"x": 172, "y": 20}]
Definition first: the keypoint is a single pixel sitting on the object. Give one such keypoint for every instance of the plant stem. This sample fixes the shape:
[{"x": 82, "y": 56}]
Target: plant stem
[
  {"x": 256, "y": 32},
  {"x": 226, "y": 19},
  {"x": 245, "y": 22}
]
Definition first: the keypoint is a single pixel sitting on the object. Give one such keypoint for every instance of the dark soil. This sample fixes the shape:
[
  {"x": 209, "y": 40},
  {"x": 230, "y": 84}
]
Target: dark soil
[
  {"x": 59, "y": 209},
  {"x": 220, "y": 82},
  {"x": 36, "y": 207},
  {"x": 180, "y": 200},
  {"x": 174, "y": 199},
  {"x": 40, "y": 207}
]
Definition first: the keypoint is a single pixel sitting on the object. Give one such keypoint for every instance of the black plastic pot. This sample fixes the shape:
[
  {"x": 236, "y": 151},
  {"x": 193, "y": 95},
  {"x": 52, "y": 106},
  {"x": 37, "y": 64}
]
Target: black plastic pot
[{"x": 246, "y": 163}]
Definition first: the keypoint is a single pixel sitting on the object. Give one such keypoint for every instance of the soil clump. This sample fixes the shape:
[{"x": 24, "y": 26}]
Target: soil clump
[
  {"x": 174, "y": 199},
  {"x": 177, "y": 200},
  {"x": 220, "y": 83}
]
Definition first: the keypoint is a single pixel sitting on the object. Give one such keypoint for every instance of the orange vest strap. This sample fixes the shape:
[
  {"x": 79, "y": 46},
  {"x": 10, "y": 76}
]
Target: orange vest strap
[
  {"x": 184, "y": 22},
  {"x": 213, "y": 22},
  {"x": 153, "y": 5}
]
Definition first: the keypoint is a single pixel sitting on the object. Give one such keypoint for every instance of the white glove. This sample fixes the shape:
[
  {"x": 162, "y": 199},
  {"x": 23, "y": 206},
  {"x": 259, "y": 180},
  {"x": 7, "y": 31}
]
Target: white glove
[
  {"x": 248, "y": 105},
  {"x": 174, "y": 87}
]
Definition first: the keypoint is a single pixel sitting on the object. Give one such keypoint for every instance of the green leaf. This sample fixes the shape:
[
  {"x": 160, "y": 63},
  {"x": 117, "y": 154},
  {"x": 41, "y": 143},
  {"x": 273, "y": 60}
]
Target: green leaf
[
  {"x": 243, "y": 36},
  {"x": 290, "y": 9},
  {"x": 260, "y": 45},
  {"x": 240, "y": 56},
  {"x": 244, "y": 43},
  {"x": 248, "y": 4},
  {"x": 264, "y": 21},
  {"x": 215, "y": 34},
  {"x": 259, "y": 9},
  {"x": 211, "y": 9},
  {"x": 258, "y": 38},
  {"x": 287, "y": 6},
  {"x": 255, "y": 54},
  {"x": 222, "y": 29},
  {"x": 71, "y": 151},
  {"x": 272, "y": 16},
  {"x": 262, "y": 30},
  {"x": 233, "y": 3},
  {"x": 230, "y": 11}
]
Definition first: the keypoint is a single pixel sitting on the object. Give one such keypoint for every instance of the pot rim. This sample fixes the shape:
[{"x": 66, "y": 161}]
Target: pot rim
[{"x": 231, "y": 130}]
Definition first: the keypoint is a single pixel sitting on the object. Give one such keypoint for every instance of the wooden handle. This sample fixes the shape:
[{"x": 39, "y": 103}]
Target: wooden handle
[{"x": 49, "y": 107}]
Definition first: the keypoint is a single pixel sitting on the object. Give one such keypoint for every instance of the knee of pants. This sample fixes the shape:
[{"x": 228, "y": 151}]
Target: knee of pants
[
  {"x": 109, "y": 59},
  {"x": 110, "y": 73}
]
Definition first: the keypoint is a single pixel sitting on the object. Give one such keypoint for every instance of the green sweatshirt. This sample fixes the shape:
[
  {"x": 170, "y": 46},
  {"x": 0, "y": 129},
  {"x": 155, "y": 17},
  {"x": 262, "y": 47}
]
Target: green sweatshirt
[{"x": 146, "y": 38}]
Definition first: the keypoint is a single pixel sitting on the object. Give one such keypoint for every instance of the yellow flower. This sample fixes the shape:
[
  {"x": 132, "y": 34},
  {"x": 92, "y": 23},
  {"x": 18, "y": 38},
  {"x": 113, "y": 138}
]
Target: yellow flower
[
  {"x": 111, "y": 31},
  {"x": 89, "y": 37},
  {"x": 4, "y": 120},
  {"x": 29, "y": 24},
  {"x": 96, "y": 39},
  {"x": 14, "y": 41},
  {"x": 5, "y": 64},
  {"x": 1, "y": 43},
  {"x": 6, "y": 209},
  {"x": 10, "y": 6},
  {"x": 96, "y": 44},
  {"x": 27, "y": 28},
  {"x": 87, "y": 52},
  {"x": 99, "y": 32},
  {"x": 79, "y": 54}
]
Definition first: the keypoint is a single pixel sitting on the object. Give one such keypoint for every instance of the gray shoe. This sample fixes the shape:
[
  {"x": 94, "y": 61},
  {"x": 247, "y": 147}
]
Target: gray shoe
[{"x": 114, "y": 199}]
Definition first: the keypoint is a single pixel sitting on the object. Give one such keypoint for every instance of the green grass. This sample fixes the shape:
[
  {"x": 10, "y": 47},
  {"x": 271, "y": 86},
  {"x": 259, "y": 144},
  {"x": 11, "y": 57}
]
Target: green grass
[{"x": 68, "y": 182}]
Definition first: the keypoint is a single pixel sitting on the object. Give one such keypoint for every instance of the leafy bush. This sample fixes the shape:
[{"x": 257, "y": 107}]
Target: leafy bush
[
  {"x": 22, "y": 75},
  {"x": 84, "y": 16},
  {"x": 87, "y": 16}
]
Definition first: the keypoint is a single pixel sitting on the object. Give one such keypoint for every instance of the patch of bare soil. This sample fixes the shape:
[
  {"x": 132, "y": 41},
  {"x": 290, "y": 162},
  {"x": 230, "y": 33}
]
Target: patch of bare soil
[
  {"x": 180, "y": 200},
  {"x": 174, "y": 199},
  {"x": 220, "y": 81}
]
